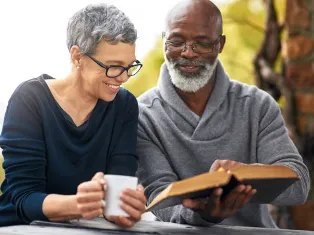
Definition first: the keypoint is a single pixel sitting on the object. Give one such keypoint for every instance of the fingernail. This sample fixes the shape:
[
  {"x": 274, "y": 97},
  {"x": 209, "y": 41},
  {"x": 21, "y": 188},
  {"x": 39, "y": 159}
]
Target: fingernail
[
  {"x": 105, "y": 187},
  {"x": 103, "y": 181}
]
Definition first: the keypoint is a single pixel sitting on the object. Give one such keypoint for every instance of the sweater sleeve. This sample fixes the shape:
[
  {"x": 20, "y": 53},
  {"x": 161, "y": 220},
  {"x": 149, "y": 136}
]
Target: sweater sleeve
[
  {"x": 275, "y": 147},
  {"x": 24, "y": 156},
  {"x": 155, "y": 174},
  {"x": 123, "y": 159}
]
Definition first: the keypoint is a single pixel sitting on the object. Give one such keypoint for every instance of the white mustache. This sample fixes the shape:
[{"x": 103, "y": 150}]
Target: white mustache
[{"x": 184, "y": 62}]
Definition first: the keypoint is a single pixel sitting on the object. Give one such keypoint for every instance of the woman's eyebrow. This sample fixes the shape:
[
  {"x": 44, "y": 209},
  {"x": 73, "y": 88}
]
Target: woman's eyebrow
[{"x": 119, "y": 62}]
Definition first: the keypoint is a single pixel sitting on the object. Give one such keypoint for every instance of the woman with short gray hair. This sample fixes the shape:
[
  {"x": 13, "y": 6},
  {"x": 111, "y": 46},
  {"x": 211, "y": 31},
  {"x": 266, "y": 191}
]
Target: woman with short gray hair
[{"x": 61, "y": 136}]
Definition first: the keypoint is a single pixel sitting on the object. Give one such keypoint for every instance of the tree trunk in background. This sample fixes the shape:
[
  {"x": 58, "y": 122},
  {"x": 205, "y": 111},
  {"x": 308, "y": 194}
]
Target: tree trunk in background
[
  {"x": 296, "y": 84},
  {"x": 298, "y": 51}
]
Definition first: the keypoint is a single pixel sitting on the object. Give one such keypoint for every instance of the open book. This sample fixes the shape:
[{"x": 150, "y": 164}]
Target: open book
[{"x": 269, "y": 181}]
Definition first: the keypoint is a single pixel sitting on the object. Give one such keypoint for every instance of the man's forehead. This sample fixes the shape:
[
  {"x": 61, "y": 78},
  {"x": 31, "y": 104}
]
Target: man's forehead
[
  {"x": 196, "y": 15},
  {"x": 188, "y": 24},
  {"x": 193, "y": 13},
  {"x": 187, "y": 19},
  {"x": 195, "y": 28}
]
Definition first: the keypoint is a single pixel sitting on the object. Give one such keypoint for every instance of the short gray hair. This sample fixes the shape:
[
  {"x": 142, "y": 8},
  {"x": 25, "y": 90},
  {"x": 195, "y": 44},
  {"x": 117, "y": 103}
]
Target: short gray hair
[{"x": 97, "y": 22}]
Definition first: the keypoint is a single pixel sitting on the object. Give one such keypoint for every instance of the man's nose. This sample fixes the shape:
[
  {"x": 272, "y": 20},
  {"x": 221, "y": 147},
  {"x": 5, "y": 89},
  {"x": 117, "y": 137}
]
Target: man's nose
[{"x": 188, "y": 52}]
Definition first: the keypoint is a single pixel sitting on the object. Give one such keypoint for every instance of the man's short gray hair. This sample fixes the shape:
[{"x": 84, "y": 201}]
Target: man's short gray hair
[{"x": 98, "y": 22}]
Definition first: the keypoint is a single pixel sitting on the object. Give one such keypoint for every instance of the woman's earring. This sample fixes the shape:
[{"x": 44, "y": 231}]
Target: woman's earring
[{"x": 78, "y": 67}]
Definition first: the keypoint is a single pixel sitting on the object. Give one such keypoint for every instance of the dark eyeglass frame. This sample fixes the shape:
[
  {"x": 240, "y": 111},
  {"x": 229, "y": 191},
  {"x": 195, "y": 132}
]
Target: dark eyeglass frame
[
  {"x": 211, "y": 45},
  {"x": 107, "y": 67}
]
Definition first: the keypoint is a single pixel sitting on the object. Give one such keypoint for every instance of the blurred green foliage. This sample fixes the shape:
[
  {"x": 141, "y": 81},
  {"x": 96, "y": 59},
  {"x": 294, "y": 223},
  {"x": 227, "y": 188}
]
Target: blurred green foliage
[
  {"x": 148, "y": 76},
  {"x": 244, "y": 30}
]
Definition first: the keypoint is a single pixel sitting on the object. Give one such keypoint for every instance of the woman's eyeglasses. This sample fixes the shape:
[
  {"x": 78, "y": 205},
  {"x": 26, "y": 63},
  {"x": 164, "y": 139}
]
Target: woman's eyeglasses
[{"x": 113, "y": 71}]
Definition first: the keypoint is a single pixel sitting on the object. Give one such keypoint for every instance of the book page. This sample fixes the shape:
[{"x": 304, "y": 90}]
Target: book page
[
  {"x": 263, "y": 172},
  {"x": 195, "y": 187},
  {"x": 200, "y": 182}
]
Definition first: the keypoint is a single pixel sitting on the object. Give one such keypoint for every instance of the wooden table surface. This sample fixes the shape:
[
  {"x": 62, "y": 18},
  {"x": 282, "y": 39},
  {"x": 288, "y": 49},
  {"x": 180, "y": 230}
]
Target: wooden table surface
[{"x": 101, "y": 226}]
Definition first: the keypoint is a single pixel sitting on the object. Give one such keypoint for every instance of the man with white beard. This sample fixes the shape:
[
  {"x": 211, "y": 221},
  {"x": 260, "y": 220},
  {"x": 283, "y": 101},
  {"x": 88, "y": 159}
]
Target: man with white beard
[{"x": 198, "y": 119}]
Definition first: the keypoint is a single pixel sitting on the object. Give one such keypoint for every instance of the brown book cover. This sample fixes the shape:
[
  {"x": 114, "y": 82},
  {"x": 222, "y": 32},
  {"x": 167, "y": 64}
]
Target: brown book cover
[{"x": 268, "y": 180}]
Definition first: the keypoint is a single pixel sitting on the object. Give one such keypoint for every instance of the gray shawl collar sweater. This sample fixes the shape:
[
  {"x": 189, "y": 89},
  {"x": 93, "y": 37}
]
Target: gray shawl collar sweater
[
  {"x": 196, "y": 128},
  {"x": 240, "y": 123}
]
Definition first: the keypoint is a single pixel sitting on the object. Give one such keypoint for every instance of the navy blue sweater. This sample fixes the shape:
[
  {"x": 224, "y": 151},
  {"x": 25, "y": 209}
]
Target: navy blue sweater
[{"x": 45, "y": 152}]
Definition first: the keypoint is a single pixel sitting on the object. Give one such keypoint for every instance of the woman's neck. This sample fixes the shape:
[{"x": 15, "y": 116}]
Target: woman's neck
[{"x": 73, "y": 98}]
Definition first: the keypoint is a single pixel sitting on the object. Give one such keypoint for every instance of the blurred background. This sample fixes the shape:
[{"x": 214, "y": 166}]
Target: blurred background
[
  {"x": 269, "y": 43},
  {"x": 33, "y": 39}
]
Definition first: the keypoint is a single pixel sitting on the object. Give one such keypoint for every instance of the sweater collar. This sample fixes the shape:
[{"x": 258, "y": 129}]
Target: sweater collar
[{"x": 217, "y": 97}]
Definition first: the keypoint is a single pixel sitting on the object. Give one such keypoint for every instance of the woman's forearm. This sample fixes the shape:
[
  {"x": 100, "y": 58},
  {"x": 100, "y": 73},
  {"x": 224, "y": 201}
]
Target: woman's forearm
[{"x": 60, "y": 207}]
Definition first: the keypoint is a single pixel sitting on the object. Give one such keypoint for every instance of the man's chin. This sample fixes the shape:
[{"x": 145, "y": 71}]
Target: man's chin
[
  {"x": 188, "y": 74},
  {"x": 189, "y": 69}
]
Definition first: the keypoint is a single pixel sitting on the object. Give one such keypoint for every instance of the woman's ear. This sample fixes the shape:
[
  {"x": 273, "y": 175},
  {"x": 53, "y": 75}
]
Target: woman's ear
[{"x": 76, "y": 55}]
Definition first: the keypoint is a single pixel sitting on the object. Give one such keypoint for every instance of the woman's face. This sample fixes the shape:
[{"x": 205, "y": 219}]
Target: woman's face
[{"x": 95, "y": 80}]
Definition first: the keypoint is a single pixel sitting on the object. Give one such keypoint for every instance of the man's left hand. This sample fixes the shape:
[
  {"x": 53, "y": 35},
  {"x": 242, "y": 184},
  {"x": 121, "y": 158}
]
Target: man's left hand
[{"x": 214, "y": 209}]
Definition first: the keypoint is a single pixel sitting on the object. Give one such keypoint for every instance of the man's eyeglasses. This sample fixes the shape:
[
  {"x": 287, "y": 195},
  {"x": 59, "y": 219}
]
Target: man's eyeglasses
[
  {"x": 113, "y": 71},
  {"x": 200, "y": 48}
]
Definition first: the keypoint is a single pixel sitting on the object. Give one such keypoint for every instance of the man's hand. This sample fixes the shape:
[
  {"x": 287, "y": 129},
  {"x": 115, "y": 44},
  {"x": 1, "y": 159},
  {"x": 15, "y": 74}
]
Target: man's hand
[
  {"x": 226, "y": 164},
  {"x": 214, "y": 209}
]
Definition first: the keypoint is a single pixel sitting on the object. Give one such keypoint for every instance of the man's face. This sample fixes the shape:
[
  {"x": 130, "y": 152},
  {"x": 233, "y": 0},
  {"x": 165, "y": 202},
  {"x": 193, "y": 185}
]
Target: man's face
[{"x": 191, "y": 49}]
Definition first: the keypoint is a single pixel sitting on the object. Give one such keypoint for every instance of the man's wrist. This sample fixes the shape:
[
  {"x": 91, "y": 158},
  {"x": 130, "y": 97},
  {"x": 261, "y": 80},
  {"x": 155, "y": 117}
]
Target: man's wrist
[{"x": 211, "y": 219}]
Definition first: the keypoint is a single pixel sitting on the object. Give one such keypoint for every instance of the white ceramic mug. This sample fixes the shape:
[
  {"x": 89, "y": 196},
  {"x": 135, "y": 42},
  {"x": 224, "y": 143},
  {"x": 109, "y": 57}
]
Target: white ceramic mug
[{"x": 114, "y": 187}]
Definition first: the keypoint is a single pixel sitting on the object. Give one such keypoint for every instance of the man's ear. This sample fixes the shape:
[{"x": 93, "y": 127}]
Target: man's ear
[
  {"x": 222, "y": 43},
  {"x": 76, "y": 55}
]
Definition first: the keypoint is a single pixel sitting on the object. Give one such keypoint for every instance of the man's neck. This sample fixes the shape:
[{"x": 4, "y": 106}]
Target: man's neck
[{"x": 197, "y": 101}]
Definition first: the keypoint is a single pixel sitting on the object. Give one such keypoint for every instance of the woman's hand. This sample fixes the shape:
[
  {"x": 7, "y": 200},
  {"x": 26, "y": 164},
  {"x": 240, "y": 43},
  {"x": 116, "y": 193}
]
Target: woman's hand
[
  {"x": 133, "y": 203},
  {"x": 89, "y": 197}
]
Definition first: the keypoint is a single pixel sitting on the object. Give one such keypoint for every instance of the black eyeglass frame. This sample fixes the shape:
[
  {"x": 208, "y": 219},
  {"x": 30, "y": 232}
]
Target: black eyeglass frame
[
  {"x": 107, "y": 67},
  {"x": 211, "y": 45}
]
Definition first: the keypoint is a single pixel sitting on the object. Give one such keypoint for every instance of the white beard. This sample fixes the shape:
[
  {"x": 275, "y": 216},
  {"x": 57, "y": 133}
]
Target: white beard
[{"x": 190, "y": 82}]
